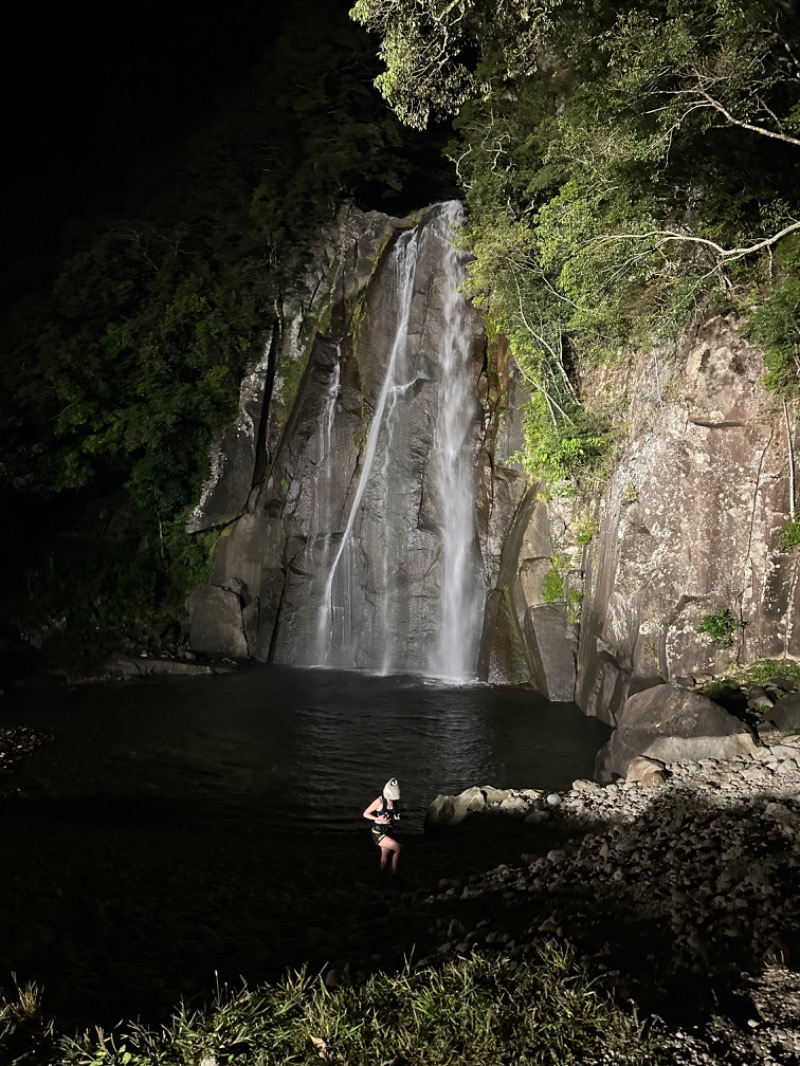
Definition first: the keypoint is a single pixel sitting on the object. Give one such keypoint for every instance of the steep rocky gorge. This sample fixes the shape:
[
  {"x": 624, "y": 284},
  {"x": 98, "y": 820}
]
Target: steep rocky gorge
[{"x": 337, "y": 529}]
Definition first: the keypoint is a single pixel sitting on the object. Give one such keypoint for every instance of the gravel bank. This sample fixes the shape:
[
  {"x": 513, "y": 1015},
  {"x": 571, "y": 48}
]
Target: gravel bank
[{"x": 688, "y": 895}]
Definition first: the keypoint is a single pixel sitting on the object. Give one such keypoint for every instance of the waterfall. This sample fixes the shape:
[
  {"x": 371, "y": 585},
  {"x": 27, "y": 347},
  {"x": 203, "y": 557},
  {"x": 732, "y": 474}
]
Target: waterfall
[
  {"x": 334, "y": 638},
  {"x": 453, "y": 475},
  {"x": 403, "y": 589}
]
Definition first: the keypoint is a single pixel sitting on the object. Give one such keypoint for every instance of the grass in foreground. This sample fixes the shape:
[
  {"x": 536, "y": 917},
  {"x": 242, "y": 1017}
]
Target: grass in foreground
[{"x": 471, "y": 1012}]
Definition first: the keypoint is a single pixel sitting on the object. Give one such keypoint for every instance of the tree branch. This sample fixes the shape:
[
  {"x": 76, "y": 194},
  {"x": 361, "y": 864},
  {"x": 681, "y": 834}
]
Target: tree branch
[
  {"x": 704, "y": 101},
  {"x": 725, "y": 254}
]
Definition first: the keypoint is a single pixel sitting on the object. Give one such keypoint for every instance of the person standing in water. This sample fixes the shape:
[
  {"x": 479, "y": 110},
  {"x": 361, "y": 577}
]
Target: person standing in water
[{"x": 384, "y": 813}]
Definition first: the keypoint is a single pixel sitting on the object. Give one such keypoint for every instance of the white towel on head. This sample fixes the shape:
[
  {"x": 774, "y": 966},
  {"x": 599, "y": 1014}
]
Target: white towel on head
[{"x": 391, "y": 790}]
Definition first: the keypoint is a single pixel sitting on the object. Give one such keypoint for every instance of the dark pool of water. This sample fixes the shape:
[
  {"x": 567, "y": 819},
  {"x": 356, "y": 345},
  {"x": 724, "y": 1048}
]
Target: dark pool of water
[
  {"x": 170, "y": 829},
  {"x": 299, "y": 747}
]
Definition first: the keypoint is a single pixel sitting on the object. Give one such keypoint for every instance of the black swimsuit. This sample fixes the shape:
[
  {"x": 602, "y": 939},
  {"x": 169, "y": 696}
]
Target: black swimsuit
[{"x": 381, "y": 831}]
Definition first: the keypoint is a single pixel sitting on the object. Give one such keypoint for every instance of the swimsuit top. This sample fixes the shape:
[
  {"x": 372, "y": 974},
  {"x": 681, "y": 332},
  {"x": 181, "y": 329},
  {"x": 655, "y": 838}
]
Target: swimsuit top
[{"x": 385, "y": 809}]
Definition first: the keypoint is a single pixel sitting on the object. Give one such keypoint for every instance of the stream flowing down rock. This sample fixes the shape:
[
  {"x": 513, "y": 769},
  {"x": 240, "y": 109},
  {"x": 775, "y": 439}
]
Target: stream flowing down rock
[
  {"x": 385, "y": 506},
  {"x": 360, "y": 545}
]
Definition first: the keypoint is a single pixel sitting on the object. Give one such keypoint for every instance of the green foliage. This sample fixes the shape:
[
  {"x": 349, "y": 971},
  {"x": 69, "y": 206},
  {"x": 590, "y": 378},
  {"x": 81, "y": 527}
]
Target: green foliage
[
  {"x": 733, "y": 689},
  {"x": 574, "y": 601},
  {"x": 470, "y": 1011},
  {"x": 96, "y": 581},
  {"x": 724, "y": 690},
  {"x": 719, "y": 627},
  {"x": 565, "y": 448},
  {"x": 586, "y": 529},
  {"x": 790, "y": 538},
  {"x": 774, "y": 323},
  {"x": 552, "y": 586},
  {"x": 619, "y": 163},
  {"x": 424, "y": 46},
  {"x": 766, "y": 669}
]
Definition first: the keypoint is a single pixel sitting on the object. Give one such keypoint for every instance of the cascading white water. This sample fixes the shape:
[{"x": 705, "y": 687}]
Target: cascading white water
[
  {"x": 403, "y": 590},
  {"x": 461, "y": 592}
]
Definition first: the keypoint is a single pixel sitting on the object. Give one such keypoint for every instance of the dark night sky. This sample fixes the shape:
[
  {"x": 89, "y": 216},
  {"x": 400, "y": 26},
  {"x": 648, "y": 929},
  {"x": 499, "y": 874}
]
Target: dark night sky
[{"x": 88, "y": 95}]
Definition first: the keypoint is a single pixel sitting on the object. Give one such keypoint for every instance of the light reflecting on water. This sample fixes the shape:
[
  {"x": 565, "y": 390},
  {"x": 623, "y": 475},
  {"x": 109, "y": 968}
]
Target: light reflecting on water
[{"x": 299, "y": 747}]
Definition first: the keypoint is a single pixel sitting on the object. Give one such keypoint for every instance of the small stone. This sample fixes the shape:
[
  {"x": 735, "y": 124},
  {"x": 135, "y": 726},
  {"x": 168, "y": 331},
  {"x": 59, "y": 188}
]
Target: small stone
[{"x": 581, "y": 785}]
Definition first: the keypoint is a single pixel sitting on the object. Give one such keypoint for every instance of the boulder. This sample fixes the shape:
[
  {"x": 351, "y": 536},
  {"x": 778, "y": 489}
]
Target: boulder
[
  {"x": 553, "y": 644},
  {"x": 216, "y": 626},
  {"x": 670, "y": 725},
  {"x": 504, "y": 657},
  {"x": 785, "y": 715},
  {"x": 450, "y": 810}
]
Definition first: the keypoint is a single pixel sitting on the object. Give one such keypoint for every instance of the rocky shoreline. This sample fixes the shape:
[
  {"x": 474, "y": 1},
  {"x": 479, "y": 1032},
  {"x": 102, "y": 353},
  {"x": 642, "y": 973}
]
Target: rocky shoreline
[{"x": 685, "y": 894}]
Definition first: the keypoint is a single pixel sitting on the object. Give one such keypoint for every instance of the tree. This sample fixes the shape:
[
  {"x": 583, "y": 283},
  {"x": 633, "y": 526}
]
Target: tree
[{"x": 623, "y": 164}]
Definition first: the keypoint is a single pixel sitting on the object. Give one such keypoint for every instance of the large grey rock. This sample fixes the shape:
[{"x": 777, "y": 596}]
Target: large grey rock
[
  {"x": 553, "y": 643},
  {"x": 671, "y": 725},
  {"x": 450, "y": 810},
  {"x": 504, "y": 657},
  {"x": 215, "y": 621},
  {"x": 690, "y": 524},
  {"x": 649, "y": 773},
  {"x": 526, "y": 638}
]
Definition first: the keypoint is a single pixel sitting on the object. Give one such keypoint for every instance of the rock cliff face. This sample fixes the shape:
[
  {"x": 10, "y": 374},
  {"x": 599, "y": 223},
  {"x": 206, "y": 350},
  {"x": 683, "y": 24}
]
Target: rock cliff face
[
  {"x": 689, "y": 526},
  {"x": 370, "y": 515}
]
